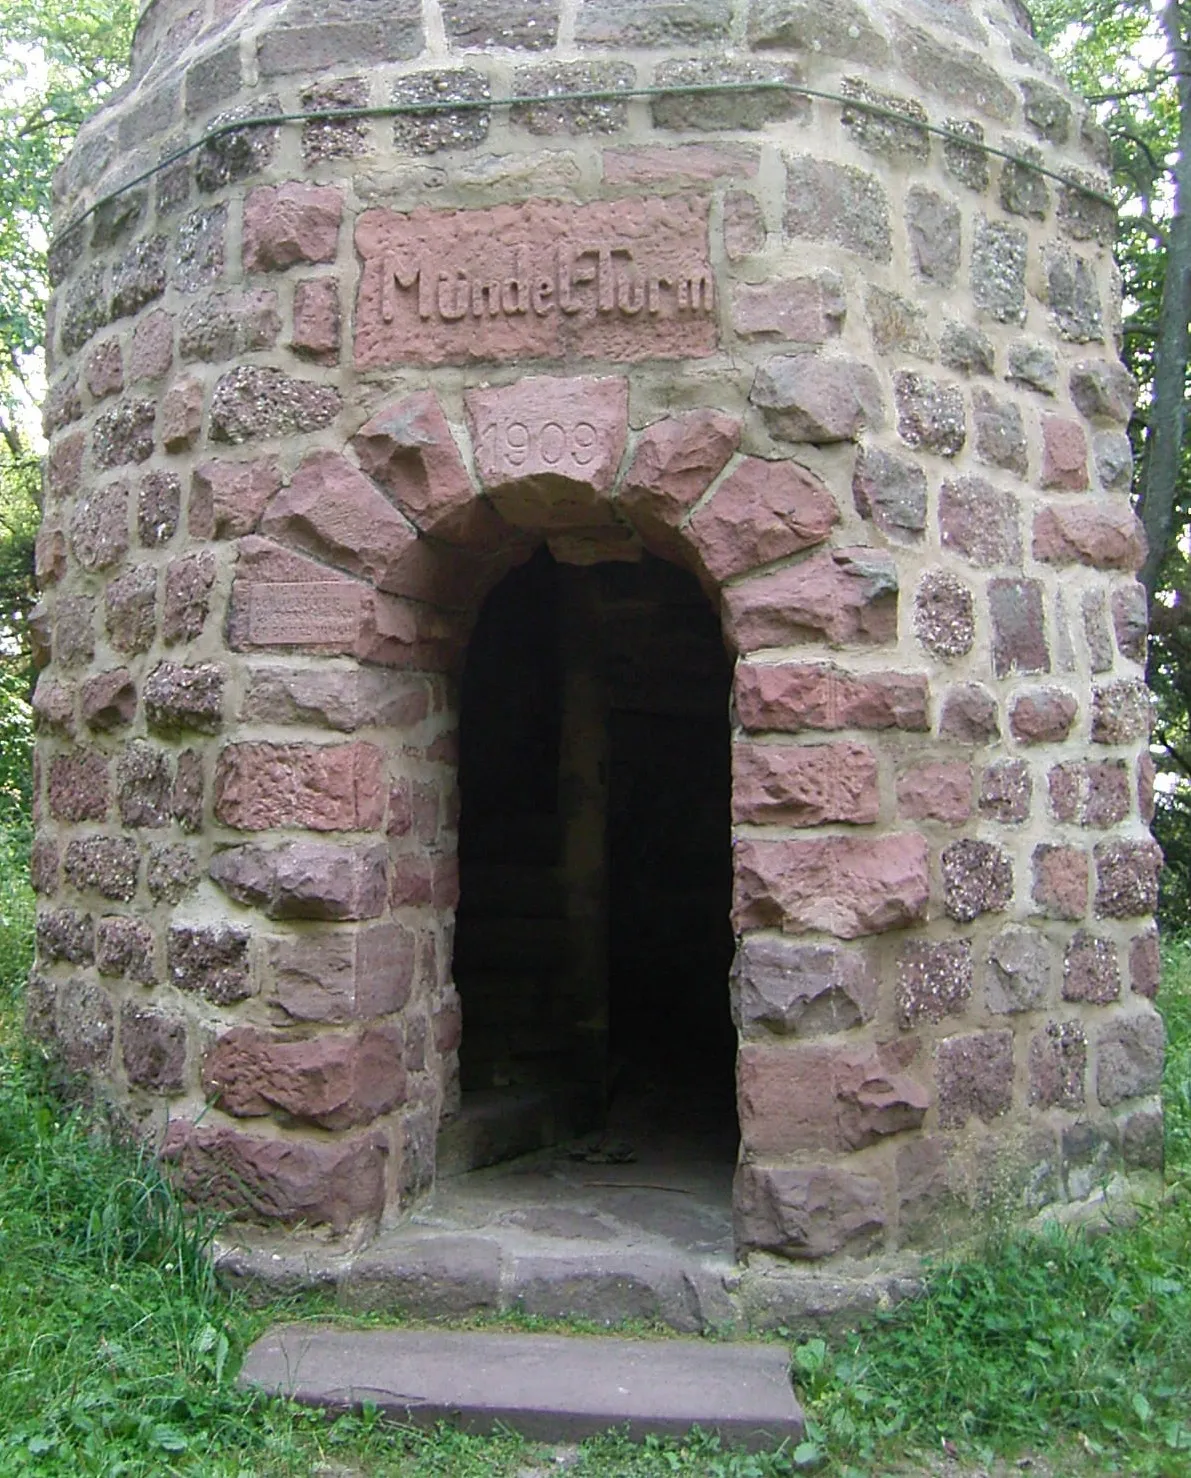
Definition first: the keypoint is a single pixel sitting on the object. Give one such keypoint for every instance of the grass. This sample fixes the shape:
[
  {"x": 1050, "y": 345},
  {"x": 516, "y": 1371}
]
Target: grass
[{"x": 118, "y": 1351}]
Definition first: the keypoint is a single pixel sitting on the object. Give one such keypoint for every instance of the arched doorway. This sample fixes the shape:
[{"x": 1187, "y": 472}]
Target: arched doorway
[{"x": 593, "y": 941}]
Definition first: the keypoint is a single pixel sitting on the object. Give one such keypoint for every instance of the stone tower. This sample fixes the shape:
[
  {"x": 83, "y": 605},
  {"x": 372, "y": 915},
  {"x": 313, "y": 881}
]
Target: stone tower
[{"x": 811, "y": 335}]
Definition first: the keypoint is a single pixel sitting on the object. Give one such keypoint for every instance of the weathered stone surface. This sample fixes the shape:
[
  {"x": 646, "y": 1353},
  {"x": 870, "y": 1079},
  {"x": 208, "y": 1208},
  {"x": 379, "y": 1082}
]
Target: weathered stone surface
[
  {"x": 1121, "y": 712},
  {"x": 952, "y": 72},
  {"x": 86, "y": 1027},
  {"x": 807, "y": 310},
  {"x": 315, "y": 1183},
  {"x": 1129, "y": 1056},
  {"x": 53, "y": 705},
  {"x": 177, "y": 697},
  {"x": 103, "y": 371},
  {"x": 999, "y": 270},
  {"x": 798, "y": 1097},
  {"x": 225, "y": 325},
  {"x": 326, "y": 787},
  {"x": 896, "y": 324},
  {"x": 840, "y": 28},
  {"x": 290, "y": 223},
  {"x": 1058, "y": 1063},
  {"x": 335, "y": 1082},
  {"x": 125, "y": 947},
  {"x": 575, "y": 432},
  {"x": 228, "y": 157},
  {"x": 761, "y": 512},
  {"x": 944, "y": 614},
  {"x": 1127, "y": 878},
  {"x": 934, "y": 980},
  {"x": 526, "y": 25},
  {"x": 674, "y": 464},
  {"x": 1006, "y": 790},
  {"x": 745, "y": 231},
  {"x": 841, "y": 596},
  {"x": 138, "y": 277},
  {"x": 930, "y": 413},
  {"x": 790, "y": 697},
  {"x": 1061, "y": 881},
  {"x": 980, "y": 521},
  {"x": 933, "y": 228},
  {"x": 43, "y": 866},
  {"x": 408, "y": 449},
  {"x": 334, "y": 698},
  {"x": 938, "y": 790},
  {"x": 1019, "y": 627},
  {"x": 1034, "y": 365},
  {"x": 108, "y": 700},
  {"x": 1103, "y": 390},
  {"x": 159, "y": 504},
  {"x": 342, "y": 976},
  {"x": 974, "y": 1077},
  {"x": 966, "y": 349},
  {"x": 1047, "y": 111},
  {"x": 64, "y": 467},
  {"x": 152, "y": 354},
  {"x": 578, "y": 116},
  {"x": 257, "y": 400},
  {"x": 801, "y": 989},
  {"x": 153, "y": 1048},
  {"x": 1130, "y": 621},
  {"x": 188, "y": 584},
  {"x": 305, "y": 880},
  {"x": 211, "y": 960},
  {"x": 977, "y": 878},
  {"x": 1000, "y": 433},
  {"x": 709, "y": 111},
  {"x": 317, "y": 320},
  {"x": 228, "y": 498},
  {"x": 969, "y": 714},
  {"x": 804, "y": 785},
  {"x": 807, "y": 1213},
  {"x": 99, "y": 527},
  {"x": 1018, "y": 977},
  {"x": 1145, "y": 964},
  {"x": 1024, "y": 191},
  {"x": 837, "y": 203},
  {"x": 809, "y": 397},
  {"x": 109, "y": 866},
  {"x": 1146, "y": 776},
  {"x": 1095, "y": 626},
  {"x": 332, "y": 511},
  {"x": 890, "y": 490},
  {"x": 78, "y": 788},
  {"x": 1090, "y": 793},
  {"x": 1090, "y": 970},
  {"x": 1064, "y": 455},
  {"x": 842, "y": 885},
  {"x": 186, "y": 798},
  {"x": 1042, "y": 715},
  {"x": 124, "y": 435},
  {"x": 171, "y": 871},
  {"x": 181, "y": 419},
  {"x": 66, "y": 935},
  {"x": 1104, "y": 536},
  {"x": 143, "y": 785},
  {"x": 1072, "y": 295}
]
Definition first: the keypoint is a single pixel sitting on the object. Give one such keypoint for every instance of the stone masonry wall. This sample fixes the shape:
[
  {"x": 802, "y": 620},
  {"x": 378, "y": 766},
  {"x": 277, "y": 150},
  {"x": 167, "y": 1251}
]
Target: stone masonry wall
[{"x": 315, "y": 387}]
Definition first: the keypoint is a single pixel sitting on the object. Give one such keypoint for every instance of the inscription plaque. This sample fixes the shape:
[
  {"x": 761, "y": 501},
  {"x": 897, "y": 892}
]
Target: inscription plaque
[
  {"x": 615, "y": 279},
  {"x": 311, "y": 613}
]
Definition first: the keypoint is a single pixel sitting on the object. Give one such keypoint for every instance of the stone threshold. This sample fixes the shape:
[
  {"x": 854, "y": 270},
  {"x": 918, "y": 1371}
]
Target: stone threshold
[{"x": 550, "y": 1388}]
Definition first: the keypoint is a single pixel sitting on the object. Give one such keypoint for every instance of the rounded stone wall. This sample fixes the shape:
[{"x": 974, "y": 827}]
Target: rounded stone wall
[{"x": 805, "y": 311}]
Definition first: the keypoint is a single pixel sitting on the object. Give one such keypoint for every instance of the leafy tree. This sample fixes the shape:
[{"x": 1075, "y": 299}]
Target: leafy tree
[
  {"x": 1133, "y": 61},
  {"x": 58, "y": 59}
]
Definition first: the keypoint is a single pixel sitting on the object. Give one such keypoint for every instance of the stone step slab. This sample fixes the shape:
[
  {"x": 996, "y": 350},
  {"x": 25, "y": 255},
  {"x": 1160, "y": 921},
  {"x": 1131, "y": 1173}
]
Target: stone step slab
[{"x": 550, "y": 1388}]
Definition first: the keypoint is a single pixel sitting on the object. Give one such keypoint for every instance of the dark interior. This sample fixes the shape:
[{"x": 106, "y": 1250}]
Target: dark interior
[{"x": 593, "y": 940}]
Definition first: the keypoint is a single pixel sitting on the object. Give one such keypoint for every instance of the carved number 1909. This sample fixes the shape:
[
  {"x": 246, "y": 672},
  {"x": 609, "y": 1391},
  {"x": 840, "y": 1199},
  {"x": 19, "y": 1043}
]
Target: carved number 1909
[{"x": 516, "y": 444}]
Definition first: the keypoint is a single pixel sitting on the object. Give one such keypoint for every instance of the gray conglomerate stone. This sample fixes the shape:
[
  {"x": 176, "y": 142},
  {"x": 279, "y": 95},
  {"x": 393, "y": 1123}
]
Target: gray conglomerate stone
[
  {"x": 429, "y": 132},
  {"x": 578, "y": 115},
  {"x": 735, "y": 109},
  {"x": 837, "y": 203},
  {"x": 999, "y": 270}
]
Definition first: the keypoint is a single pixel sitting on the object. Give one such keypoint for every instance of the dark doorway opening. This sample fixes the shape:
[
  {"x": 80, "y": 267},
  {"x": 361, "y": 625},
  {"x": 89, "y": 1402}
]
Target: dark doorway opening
[{"x": 593, "y": 940}]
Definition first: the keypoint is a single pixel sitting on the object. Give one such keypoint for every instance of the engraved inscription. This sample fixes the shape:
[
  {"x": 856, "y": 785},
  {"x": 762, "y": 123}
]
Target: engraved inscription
[
  {"x": 618, "y": 279},
  {"x": 511, "y": 445},
  {"x": 311, "y": 613}
]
